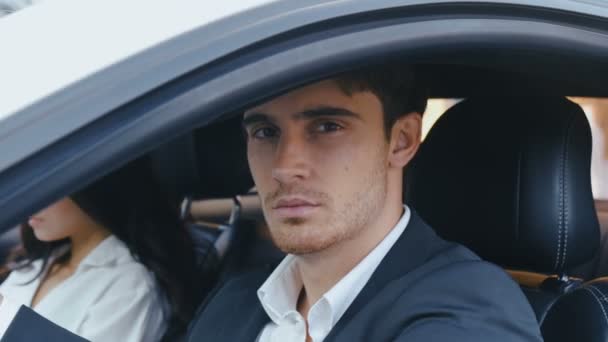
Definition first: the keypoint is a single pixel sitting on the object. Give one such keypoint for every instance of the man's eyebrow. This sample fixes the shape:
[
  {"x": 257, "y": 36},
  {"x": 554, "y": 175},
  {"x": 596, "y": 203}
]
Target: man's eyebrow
[
  {"x": 255, "y": 117},
  {"x": 326, "y": 111}
]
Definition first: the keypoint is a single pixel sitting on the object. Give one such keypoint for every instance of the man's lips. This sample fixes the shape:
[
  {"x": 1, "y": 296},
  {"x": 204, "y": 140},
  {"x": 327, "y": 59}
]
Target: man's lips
[
  {"x": 292, "y": 201},
  {"x": 291, "y": 207}
]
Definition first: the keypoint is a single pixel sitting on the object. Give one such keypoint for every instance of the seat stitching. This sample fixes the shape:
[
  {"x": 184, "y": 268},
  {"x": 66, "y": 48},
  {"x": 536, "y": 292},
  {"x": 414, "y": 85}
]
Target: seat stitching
[
  {"x": 518, "y": 197},
  {"x": 559, "y": 222},
  {"x": 565, "y": 213},
  {"x": 599, "y": 301},
  {"x": 600, "y": 292},
  {"x": 565, "y": 207}
]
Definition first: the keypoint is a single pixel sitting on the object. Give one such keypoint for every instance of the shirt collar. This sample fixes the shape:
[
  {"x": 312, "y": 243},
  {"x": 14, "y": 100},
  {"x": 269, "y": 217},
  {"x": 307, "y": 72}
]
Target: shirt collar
[
  {"x": 279, "y": 293},
  {"x": 110, "y": 250}
]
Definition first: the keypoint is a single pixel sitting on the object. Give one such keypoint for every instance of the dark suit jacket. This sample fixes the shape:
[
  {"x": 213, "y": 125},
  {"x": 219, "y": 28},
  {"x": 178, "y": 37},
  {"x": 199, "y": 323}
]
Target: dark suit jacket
[{"x": 425, "y": 289}]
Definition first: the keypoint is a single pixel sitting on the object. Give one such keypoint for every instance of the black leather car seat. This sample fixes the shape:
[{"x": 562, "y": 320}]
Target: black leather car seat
[
  {"x": 602, "y": 214},
  {"x": 579, "y": 315},
  {"x": 509, "y": 177}
]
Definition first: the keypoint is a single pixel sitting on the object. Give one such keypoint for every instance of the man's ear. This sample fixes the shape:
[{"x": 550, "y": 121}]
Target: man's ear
[{"x": 405, "y": 139}]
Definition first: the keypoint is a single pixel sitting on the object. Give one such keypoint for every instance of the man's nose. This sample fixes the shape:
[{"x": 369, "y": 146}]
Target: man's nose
[{"x": 291, "y": 164}]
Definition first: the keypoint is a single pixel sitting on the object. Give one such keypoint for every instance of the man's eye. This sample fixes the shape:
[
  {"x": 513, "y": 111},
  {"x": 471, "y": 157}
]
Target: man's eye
[
  {"x": 264, "y": 132},
  {"x": 328, "y": 127}
]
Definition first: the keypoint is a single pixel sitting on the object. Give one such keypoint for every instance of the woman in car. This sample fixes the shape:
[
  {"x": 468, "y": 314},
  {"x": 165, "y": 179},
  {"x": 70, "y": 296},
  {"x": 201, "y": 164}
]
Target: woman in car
[{"x": 109, "y": 263}]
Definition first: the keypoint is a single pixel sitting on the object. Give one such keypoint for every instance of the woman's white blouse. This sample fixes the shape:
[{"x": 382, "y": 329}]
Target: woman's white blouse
[{"x": 110, "y": 297}]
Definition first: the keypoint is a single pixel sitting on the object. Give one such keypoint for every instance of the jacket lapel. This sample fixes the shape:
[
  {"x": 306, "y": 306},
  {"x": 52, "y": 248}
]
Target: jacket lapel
[
  {"x": 417, "y": 243},
  {"x": 251, "y": 327},
  {"x": 248, "y": 311},
  {"x": 235, "y": 314}
]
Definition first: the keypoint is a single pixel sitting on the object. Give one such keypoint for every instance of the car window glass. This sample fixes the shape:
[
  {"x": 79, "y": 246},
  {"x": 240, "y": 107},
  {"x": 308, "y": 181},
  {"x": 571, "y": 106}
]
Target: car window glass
[{"x": 596, "y": 110}]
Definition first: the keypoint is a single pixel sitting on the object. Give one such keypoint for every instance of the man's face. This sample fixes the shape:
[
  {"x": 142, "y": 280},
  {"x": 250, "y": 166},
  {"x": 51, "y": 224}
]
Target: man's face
[{"x": 319, "y": 162}]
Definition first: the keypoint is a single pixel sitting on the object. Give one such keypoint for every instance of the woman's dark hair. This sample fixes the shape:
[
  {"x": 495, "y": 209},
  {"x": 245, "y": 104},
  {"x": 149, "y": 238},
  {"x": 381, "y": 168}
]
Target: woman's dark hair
[{"x": 130, "y": 204}]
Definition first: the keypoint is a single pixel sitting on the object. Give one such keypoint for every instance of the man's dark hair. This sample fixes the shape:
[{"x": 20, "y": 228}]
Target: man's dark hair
[{"x": 399, "y": 88}]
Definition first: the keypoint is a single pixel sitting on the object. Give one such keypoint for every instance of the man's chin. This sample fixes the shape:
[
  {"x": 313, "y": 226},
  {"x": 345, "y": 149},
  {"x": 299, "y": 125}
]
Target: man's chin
[
  {"x": 294, "y": 221},
  {"x": 300, "y": 249},
  {"x": 300, "y": 244},
  {"x": 290, "y": 224},
  {"x": 301, "y": 235}
]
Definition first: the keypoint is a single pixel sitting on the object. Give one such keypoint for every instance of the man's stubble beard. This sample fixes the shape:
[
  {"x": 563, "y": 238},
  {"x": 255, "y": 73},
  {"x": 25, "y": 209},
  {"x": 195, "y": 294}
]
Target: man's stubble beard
[{"x": 301, "y": 236}]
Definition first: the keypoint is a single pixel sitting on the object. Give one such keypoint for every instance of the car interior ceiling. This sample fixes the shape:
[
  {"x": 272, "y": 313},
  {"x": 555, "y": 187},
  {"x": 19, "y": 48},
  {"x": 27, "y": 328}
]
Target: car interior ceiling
[{"x": 208, "y": 168}]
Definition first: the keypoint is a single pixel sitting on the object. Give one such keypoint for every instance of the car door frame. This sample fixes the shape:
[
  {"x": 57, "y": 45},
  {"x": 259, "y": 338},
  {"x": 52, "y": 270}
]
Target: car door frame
[{"x": 262, "y": 69}]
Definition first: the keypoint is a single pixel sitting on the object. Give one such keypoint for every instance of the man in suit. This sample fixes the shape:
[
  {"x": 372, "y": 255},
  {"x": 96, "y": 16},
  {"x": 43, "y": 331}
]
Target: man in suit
[{"x": 327, "y": 160}]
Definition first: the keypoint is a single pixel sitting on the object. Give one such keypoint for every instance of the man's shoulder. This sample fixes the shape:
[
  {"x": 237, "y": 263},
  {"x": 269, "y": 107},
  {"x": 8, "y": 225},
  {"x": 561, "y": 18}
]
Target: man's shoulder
[
  {"x": 450, "y": 286},
  {"x": 441, "y": 256},
  {"x": 454, "y": 265},
  {"x": 458, "y": 265},
  {"x": 453, "y": 295}
]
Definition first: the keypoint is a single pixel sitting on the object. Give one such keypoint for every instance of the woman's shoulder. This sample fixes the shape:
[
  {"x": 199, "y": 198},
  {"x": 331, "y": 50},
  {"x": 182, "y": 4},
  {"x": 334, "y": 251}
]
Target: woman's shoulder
[
  {"x": 131, "y": 276},
  {"x": 134, "y": 276},
  {"x": 24, "y": 273},
  {"x": 119, "y": 266},
  {"x": 21, "y": 283},
  {"x": 130, "y": 285}
]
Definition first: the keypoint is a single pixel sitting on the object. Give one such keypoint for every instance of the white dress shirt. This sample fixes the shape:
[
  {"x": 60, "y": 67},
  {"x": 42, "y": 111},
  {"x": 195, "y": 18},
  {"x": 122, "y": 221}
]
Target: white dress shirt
[
  {"x": 110, "y": 297},
  {"x": 279, "y": 295}
]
